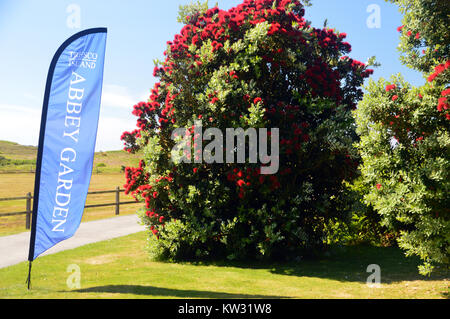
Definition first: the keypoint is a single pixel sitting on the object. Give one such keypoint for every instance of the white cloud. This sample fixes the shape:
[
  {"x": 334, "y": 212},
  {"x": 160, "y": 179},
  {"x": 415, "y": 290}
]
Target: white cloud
[
  {"x": 120, "y": 97},
  {"x": 12, "y": 108},
  {"x": 19, "y": 124},
  {"x": 115, "y": 116},
  {"x": 109, "y": 131}
]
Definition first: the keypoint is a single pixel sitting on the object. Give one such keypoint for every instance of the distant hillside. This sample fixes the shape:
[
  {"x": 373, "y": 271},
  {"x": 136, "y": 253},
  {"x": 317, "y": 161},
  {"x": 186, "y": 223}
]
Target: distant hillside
[
  {"x": 20, "y": 158},
  {"x": 15, "y": 151}
]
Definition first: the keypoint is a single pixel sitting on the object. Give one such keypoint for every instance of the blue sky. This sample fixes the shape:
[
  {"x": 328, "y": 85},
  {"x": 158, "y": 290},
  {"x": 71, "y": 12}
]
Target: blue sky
[{"x": 31, "y": 32}]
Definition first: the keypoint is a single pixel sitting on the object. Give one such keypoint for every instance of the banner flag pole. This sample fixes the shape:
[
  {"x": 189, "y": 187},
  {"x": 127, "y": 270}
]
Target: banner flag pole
[{"x": 67, "y": 139}]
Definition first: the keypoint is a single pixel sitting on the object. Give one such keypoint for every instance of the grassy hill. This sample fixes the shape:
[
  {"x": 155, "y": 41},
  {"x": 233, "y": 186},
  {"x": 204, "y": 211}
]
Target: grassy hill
[{"x": 20, "y": 158}]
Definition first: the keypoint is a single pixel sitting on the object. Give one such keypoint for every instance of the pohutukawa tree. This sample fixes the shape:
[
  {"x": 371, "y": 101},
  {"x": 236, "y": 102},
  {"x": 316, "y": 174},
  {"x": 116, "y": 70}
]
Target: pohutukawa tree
[
  {"x": 405, "y": 138},
  {"x": 257, "y": 65}
]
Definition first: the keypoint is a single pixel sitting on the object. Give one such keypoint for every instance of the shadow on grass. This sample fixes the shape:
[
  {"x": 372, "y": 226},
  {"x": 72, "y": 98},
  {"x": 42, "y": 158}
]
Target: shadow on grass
[
  {"x": 347, "y": 264},
  {"x": 167, "y": 292}
]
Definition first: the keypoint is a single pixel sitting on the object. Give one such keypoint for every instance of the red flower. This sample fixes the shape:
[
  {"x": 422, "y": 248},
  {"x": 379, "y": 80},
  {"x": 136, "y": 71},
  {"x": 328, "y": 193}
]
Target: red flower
[
  {"x": 347, "y": 46},
  {"x": 378, "y": 186},
  {"x": 399, "y": 29},
  {"x": 214, "y": 100},
  {"x": 274, "y": 28},
  {"x": 298, "y": 131},
  {"x": 304, "y": 124},
  {"x": 195, "y": 40},
  {"x": 438, "y": 70},
  {"x": 442, "y": 105},
  {"x": 261, "y": 179},
  {"x": 257, "y": 100},
  {"x": 155, "y": 71},
  {"x": 195, "y": 169},
  {"x": 395, "y": 97},
  {"x": 417, "y": 35},
  {"x": 446, "y": 92},
  {"x": 241, "y": 183},
  {"x": 390, "y": 87}
]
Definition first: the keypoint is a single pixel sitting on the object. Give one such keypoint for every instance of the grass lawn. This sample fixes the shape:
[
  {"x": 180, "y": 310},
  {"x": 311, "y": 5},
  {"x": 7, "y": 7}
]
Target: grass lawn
[
  {"x": 120, "y": 268},
  {"x": 19, "y": 184}
]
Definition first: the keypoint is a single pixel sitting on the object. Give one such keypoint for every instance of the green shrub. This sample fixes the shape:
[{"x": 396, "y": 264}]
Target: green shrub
[
  {"x": 405, "y": 138},
  {"x": 4, "y": 161}
]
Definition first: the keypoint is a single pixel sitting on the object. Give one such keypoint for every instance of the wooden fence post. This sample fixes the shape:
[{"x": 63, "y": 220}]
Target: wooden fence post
[
  {"x": 117, "y": 200},
  {"x": 28, "y": 214}
]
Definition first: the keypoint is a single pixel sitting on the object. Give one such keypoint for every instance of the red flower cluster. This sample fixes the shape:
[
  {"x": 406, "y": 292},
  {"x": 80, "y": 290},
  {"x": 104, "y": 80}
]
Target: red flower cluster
[
  {"x": 443, "y": 104},
  {"x": 274, "y": 28},
  {"x": 438, "y": 70},
  {"x": 244, "y": 179},
  {"x": 156, "y": 218},
  {"x": 135, "y": 177},
  {"x": 215, "y": 23},
  {"x": 323, "y": 81},
  {"x": 257, "y": 100},
  {"x": 327, "y": 39},
  {"x": 216, "y": 46},
  {"x": 390, "y": 87}
]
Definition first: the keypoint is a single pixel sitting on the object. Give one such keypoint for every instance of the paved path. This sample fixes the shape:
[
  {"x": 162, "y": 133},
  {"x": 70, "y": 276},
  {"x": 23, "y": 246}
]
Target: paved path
[{"x": 14, "y": 248}]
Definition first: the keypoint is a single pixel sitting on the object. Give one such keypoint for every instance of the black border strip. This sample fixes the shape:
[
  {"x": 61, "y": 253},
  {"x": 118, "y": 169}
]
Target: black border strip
[{"x": 43, "y": 126}]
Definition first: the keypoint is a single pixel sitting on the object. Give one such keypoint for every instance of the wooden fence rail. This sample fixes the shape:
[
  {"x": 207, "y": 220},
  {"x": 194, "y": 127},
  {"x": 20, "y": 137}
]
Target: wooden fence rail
[{"x": 29, "y": 197}]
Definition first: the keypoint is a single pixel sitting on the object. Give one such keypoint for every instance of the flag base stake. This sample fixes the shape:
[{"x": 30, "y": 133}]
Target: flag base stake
[{"x": 29, "y": 275}]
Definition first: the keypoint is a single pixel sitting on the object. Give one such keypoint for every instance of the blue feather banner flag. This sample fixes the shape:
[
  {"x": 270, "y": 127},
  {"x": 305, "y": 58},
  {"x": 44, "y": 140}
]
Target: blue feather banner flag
[{"x": 67, "y": 139}]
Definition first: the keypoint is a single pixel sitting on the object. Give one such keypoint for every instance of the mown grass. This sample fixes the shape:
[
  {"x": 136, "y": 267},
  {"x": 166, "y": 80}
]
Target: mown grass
[
  {"x": 120, "y": 268},
  {"x": 17, "y": 185}
]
